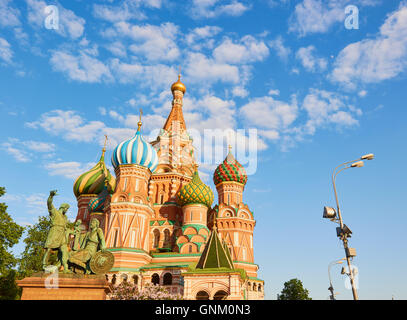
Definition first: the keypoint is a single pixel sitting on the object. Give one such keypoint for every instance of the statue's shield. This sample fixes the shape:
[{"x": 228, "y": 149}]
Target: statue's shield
[{"x": 101, "y": 262}]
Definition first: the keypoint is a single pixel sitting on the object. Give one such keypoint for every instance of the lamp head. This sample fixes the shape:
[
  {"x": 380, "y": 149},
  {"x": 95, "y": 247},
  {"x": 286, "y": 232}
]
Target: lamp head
[
  {"x": 369, "y": 156},
  {"x": 329, "y": 213},
  {"x": 358, "y": 164}
]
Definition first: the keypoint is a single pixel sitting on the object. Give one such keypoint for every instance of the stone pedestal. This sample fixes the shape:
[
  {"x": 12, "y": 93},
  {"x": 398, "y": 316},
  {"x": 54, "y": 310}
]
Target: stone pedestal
[{"x": 59, "y": 286}]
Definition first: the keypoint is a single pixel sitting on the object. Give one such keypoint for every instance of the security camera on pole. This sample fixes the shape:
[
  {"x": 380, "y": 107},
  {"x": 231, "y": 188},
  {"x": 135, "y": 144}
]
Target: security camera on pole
[{"x": 343, "y": 232}]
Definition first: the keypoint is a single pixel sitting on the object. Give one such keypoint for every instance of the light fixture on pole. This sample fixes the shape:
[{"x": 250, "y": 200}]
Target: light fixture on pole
[
  {"x": 343, "y": 232},
  {"x": 331, "y": 288}
]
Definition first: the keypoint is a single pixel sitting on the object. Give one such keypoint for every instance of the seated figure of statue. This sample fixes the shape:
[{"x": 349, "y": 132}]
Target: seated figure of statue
[{"x": 94, "y": 240}]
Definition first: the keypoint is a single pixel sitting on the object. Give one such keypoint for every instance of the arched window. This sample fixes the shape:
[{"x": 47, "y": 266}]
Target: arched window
[
  {"x": 259, "y": 288},
  {"x": 135, "y": 279},
  {"x": 220, "y": 295},
  {"x": 249, "y": 285},
  {"x": 254, "y": 287},
  {"x": 167, "y": 279},
  {"x": 114, "y": 279},
  {"x": 167, "y": 238},
  {"x": 124, "y": 277},
  {"x": 156, "y": 238},
  {"x": 202, "y": 295},
  {"x": 155, "y": 279}
]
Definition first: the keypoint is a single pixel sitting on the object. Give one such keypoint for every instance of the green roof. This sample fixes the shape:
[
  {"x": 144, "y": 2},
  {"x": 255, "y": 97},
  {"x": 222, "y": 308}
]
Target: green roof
[{"x": 215, "y": 255}]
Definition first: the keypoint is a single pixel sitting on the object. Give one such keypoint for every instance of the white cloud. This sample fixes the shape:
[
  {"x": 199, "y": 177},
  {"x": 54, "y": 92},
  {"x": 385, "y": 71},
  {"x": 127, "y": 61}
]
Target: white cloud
[
  {"x": 362, "y": 93},
  {"x": 83, "y": 67},
  {"x": 374, "y": 60},
  {"x": 325, "y": 108},
  {"x": 240, "y": 92},
  {"x": 211, "y": 9},
  {"x": 126, "y": 10},
  {"x": 9, "y": 16},
  {"x": 278, "y": 46},
  {"x": 318, "y": 16},
  {"x": 203, "y": 69},
  {"x": 70, "y": 170},
  {"x": 6, "y": 53},
  {"x": 156, "y": 77},
  {"x": 68, "y": 124},
  {"x": 70, "y": 25},
  {"x": 154, "y": 43},
  {"x": 202, "y": 37},
  {"x": 309, "y": 61},
  {"x": 26, "y": 151},
  {"x": 267, "y": 112},
  {"x": 289, "y": 122},
  {"x": 72, "y": 127},
  {"x": 247, "y": 49}
]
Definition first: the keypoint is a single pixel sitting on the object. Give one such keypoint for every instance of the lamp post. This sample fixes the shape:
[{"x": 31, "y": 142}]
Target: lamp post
[
  {"x": 343, "y": 232},
  {"x": 331, "y": 288}
]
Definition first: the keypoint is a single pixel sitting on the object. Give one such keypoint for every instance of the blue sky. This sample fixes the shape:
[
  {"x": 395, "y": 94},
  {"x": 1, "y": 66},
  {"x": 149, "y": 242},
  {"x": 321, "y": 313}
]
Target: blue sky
[{"x": 317, "y": 93}]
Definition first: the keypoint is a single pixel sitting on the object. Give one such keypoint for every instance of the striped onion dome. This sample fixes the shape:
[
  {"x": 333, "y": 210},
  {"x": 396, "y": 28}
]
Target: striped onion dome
[
  {"x": 135, "y": 151},
  {"x": 98, "y": 204},
  {"x": 93, "y": 181},
  {"x": 230, "y": 170},
  {"x": 195, "y": 192}
]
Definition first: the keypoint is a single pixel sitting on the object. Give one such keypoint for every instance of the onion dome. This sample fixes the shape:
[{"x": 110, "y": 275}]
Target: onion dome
[
  {"x": 94, "y": 180},
  {"x": 195, "y": 192},
  {"x": 178, "y": 85},
  {"x": 98, "y": 204},
  {"x": 230, "y": 170},
  {"x": 135, "y": 151}
]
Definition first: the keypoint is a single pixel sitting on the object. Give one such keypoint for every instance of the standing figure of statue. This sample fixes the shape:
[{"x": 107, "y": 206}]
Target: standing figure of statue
[
  {"x": 56, "y": 239},
  {"x": 77, "y": 235},
  {"x": 94, "y": 240}
]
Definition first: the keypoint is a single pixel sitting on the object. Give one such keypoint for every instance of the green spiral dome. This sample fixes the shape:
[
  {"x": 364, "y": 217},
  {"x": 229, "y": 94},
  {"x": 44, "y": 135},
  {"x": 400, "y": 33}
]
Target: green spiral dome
[
  {"x": 195, "y": 192},
  {"x": 93, "y": 181}
]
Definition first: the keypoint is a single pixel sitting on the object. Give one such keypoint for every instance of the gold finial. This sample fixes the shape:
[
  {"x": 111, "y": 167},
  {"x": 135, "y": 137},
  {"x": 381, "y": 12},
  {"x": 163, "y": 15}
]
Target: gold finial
[
  {"x": 104, "y": 146},
  {"x": 178, "y": 85},
  {"x": 139, "y": 124},
  {"x": 195, "y": 166},
  {"x": 230, "y": 148}
]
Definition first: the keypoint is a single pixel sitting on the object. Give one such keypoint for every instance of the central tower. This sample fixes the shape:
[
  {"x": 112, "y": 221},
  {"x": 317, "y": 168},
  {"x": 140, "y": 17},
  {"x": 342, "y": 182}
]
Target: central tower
[{"x": 176, "y": 163}]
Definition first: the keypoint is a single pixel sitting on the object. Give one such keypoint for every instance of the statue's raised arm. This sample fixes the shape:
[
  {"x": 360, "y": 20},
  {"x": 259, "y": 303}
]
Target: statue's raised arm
[{"x": 51, "y": 207}]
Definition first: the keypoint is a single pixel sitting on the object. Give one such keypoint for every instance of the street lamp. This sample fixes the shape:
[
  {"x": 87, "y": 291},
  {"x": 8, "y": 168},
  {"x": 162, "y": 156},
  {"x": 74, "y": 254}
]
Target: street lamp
[
  {"x": 343, "y": 232},
  {"x": 331, "y": 288}
]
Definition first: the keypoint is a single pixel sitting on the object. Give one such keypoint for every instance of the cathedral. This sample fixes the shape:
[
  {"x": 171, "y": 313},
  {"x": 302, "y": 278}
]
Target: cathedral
[{"x": 160, "y": 221}]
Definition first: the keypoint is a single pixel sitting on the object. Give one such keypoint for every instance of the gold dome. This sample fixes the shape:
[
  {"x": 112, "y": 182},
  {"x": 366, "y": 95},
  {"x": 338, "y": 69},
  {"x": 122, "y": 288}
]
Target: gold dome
[{"x": 178, "y": 85}]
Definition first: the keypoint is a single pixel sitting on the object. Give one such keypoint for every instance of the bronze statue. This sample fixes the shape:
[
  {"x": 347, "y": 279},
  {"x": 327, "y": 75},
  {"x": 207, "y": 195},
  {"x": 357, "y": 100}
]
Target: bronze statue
[
  {"x": 88, "y": 252},
  {"x": 56, "y": 239},
  {"x": 94, "y": 240}
]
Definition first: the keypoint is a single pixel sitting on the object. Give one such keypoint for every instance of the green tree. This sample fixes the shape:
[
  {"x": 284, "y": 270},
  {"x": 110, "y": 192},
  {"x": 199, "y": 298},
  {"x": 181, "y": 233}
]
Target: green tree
[
  {"x": 10, "y": 234},
  {"x": 31, "y": 258},
  {"x": 294, "y": 290},
  {"x": 9, "y": 290}
]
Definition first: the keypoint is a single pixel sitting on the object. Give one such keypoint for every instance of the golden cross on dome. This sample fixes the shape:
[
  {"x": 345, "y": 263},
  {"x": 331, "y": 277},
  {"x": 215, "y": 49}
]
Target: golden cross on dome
[
  {"x": 230, "y": 142},
  {"x": 140, "y": 123},
  {"x": 104, "y": 146}
]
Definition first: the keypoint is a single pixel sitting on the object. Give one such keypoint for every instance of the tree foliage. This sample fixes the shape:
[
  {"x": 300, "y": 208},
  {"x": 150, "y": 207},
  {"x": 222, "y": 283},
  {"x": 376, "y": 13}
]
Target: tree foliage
[
  {"x": 9, "y": 290},
  {"x": 10, "y": 234},
  {"x": 294, "y": 290},
  {"x": 31, "y": 258}
]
